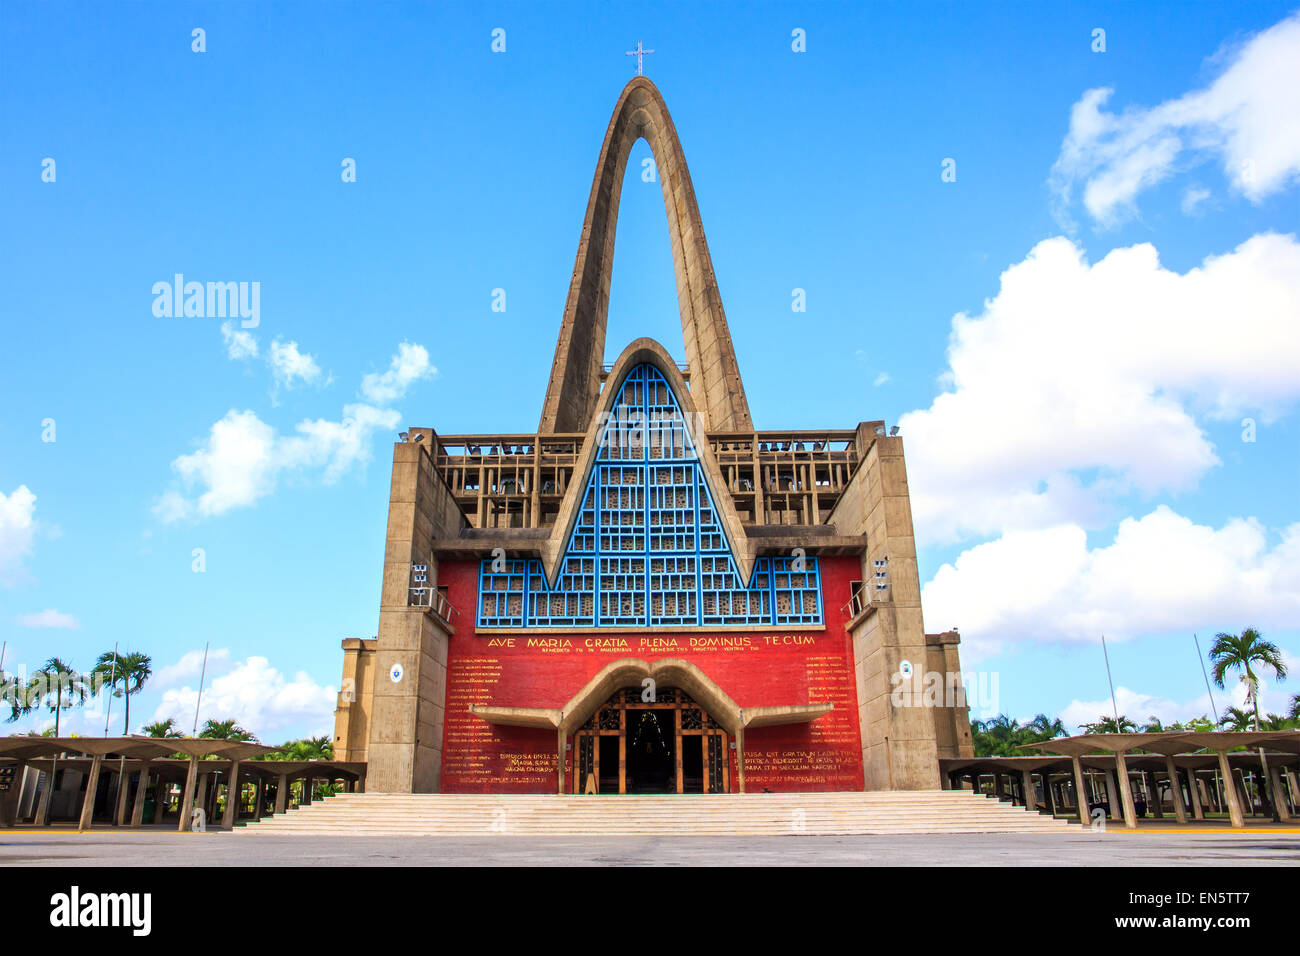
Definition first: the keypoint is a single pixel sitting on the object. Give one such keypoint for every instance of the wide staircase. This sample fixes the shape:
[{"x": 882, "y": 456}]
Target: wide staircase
[{"x": 770, "y": 814}]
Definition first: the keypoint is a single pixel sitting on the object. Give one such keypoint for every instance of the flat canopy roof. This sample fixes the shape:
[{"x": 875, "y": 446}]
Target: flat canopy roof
[
  {"x": 1168, "y": 742},
  {"x": 144, "y": 748}
]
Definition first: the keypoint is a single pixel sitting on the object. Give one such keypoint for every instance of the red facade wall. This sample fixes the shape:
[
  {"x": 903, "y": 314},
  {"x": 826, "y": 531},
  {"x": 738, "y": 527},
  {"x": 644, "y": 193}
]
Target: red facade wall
[{"x": 794, "y": 665}]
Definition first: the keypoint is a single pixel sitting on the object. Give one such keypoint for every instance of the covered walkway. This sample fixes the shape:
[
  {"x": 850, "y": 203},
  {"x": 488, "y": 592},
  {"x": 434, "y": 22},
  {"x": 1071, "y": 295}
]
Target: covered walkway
[
  {"x": 139, "y": 781},
  {"x": 1176, "y": 776}
]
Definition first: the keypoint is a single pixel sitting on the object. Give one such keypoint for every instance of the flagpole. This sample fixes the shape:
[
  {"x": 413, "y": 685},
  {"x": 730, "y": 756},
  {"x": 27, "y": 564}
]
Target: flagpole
[
  {"x": 202, "y": 674},
  {"x": 1115, "y": 706},
  {"x": 1206, "y": 675}
]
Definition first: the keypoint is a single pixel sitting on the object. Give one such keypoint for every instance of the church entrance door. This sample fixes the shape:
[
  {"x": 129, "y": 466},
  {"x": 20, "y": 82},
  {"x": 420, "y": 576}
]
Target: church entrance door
[{"x": 665, "y": 745}]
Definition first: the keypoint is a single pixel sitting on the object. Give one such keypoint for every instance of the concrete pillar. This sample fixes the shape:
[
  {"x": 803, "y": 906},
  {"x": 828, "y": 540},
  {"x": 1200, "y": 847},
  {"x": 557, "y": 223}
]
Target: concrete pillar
[
  {"x": 1230, "y": 792},
  {"x": 998, "y": 782},
  {"x": 123, "y": 788},
  {"x": 187, "y": 798},
  {"x": 259, "y": 790},
  {"x": 232, "y": 798},
  {"x": 1176, "y": 790},
  {"x": 307, "y": 782},
  {"x": 1112, "y": 796},
  {"x": 88, "y": 802},
  {"x": 945, "y": 781},
  {"x": 1081, "y": 789},
  {"x": 47, "y": 794},
  {"x": 141, "y": 791},
  {"x": 201, "y": 796},
  {"x": 1031, "y": 798},
  {"x": 1295, "y": 790},
  {"x": 160, "y": 793},
  {"x": 1126, "y": 792},
  {"x": 1194, "y": 790},
  {"x": 282, "y": 794},
  {"x": 1247, "y": 804},
  {"x": 1279, "y": 796},
  {"x": 1153, "y": 794},
  {"x": 1049, "y": 798}
]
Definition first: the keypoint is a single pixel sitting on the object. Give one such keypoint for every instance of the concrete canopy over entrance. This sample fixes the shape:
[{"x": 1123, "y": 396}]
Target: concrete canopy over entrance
[{"x": 668, "y": 672}]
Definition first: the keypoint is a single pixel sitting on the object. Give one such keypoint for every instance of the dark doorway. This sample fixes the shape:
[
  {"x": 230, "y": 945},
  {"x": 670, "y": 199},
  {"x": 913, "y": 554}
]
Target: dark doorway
[
  {"x": 651, "y": 762},
  {"x": 608, "y": 764},
  {"x": 692, "y": 763}
]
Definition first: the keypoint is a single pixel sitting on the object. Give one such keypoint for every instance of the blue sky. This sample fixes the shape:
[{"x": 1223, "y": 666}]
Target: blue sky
[{"x": 1076, "y": 452}]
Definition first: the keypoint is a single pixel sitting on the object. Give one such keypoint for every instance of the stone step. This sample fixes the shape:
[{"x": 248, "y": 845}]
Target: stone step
[{"x": 938, "y": 811}]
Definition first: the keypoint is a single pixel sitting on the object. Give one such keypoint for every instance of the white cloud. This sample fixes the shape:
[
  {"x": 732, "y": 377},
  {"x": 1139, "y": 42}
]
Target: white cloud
[
  {"x": 1079, "y": 382},
  {"x": 191, "y": 665},
  {"x": 1162, "y": 574},
  {"x": 48, "y": 618},
  {"x": 1193, "y": 199},
  {"x": 408, "y": 366},
  {"x": 289, "y": 366},
  {"x": 259, "y": 697},
  {"x": 882, "y": 379},
  {"x": 240, "y": 344},
  {"x": 244, "y": 458},
  {"x": 1246, "y": 117},
  {"x": 17, "y": 532}
]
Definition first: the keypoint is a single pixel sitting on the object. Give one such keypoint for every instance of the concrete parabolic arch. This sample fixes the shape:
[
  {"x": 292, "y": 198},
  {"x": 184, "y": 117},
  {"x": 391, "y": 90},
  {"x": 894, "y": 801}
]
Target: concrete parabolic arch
[{"x": 574, "y": 385}]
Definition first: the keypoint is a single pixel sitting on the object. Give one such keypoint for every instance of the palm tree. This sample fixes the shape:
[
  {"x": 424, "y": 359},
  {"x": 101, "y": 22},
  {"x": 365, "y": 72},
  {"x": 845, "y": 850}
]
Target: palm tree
[
  {"x": 1108, "y": 725},
  {"x": 13, "y": 695},
  {"x": 1046, "y": 728},
  {"x": 1240, "y": 651},
  {"x": 52, "y": 683},
  {"x": 131, "y": 670},
  {"x": 163, "y": 728},
  {"x": 1234, "y": 718},
  {"x": 311, "y": 748},
  {"x": 1154, "y": 726},
  {"x": 1295, "y": 707},
  {"x": 225, "y": 730}
]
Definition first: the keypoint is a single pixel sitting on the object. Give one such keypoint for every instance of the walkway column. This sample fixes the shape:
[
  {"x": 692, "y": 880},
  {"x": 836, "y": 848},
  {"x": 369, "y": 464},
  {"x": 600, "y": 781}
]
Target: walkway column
[
  {"x": 1031, "y": 798},
  {"x": 123, "y": 787},
  {"x": 1230, "y": 792},
  {"x": 260, "y": 792},
  {"x": 1295, "y": 789},
  {"x": 187, "y": 799},
  {"x": 1279, "y": 796},
  {"x": 1126, "y": 792},
  {"x": 1194, "y": 788},
  {"x": 232, "y": 798},
  {"x": 282, "y": 794},
  {"x": 997, "y": 785},
  {"x": 201, "y": 797},
  {"x": 141, "y": 790},
  {"x": 161, "y": 791},
  {"x": 307, "y": 783},
  {"x": 1081, "y": 789},
  {"x": 1153, "y": 794},
  {"x": 88, "y": 802},
  {"x": 1176, "y": 790},
  {"x": 47, "y": 794},
  {"x": 1112, "y": 796}
]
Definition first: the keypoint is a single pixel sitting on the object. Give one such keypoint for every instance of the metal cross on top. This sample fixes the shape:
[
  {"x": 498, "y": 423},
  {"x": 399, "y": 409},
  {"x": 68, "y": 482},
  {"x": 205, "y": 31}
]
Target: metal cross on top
[{"x": 639, "y": 52}]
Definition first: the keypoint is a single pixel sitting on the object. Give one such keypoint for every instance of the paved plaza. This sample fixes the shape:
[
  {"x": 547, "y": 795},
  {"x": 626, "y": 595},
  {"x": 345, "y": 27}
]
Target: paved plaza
[{"x": 1153, "y": 847}]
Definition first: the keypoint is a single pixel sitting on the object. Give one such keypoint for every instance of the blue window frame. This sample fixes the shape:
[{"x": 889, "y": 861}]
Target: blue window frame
[{"x": 648, "y": 546}]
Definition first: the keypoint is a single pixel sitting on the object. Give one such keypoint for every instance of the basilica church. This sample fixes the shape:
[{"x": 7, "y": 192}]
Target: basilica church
[{"x": 646, "y": 593}]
